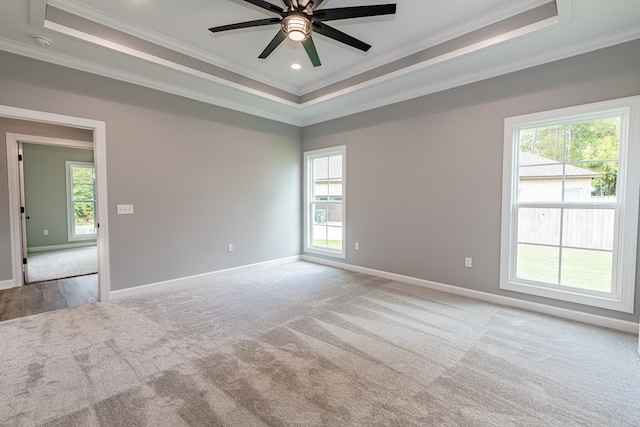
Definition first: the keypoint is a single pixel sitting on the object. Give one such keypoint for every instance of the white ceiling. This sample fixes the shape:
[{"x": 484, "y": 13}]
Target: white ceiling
[{"x": 425, "y": 47}]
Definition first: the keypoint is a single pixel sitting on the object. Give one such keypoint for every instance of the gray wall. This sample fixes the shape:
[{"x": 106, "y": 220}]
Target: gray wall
[
  {"x": 27, "y": 128},
  {"x": 424, "y": 177},
  {"x": 199, "y": 176},
  {"x": 45, "y": 186}
]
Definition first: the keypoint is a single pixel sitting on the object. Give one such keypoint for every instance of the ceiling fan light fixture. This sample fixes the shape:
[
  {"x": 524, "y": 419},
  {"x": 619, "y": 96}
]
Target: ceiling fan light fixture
[{"x": 296, "y": 27}]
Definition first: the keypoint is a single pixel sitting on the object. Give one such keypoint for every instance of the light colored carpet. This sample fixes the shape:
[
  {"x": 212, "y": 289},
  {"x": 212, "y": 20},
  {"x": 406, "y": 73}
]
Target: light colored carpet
[
  {"x": 307, "y": 345},
  {"x": 61, "y": 263}
]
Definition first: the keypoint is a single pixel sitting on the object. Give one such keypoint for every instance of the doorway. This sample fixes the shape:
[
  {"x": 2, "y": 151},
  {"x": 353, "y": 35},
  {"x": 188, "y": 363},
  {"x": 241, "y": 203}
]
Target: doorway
[
  {"x": 58, "y": 209},
  {"x": 15, "y": 217}
]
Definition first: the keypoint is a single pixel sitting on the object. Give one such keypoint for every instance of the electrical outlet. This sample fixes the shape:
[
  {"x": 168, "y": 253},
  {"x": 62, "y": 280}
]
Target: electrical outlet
[
  {"x": 125, "y": 209},
  {"x": 357, "y": 246},
  {"x": 230, "y": 247},
  {"x": 468, "y": 262},
  {"x": 46, "y": 232}
]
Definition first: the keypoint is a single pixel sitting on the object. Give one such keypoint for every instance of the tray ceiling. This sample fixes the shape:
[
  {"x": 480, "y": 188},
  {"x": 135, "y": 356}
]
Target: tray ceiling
[{"x": 425, "y": 47}]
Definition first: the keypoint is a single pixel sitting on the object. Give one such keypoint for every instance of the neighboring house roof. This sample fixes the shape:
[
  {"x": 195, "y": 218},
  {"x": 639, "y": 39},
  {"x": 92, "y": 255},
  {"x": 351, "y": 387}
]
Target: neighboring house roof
[{"x": 541, "y": 167}]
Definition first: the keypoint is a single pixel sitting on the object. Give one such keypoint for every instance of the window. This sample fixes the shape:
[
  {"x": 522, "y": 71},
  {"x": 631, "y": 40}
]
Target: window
[
  {"x": 325, "y": 201},
  {"x": 570, "y": 204},
  {"x": 81, "y": 200}
]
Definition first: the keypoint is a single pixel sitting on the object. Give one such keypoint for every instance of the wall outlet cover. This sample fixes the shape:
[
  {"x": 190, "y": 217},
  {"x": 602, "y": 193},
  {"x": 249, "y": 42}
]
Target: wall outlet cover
[{"x": 125, "y": 209}]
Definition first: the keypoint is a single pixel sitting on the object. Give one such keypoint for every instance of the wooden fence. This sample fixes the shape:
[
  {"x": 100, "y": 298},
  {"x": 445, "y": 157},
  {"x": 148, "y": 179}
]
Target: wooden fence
[{"x": 581, "y": 228}]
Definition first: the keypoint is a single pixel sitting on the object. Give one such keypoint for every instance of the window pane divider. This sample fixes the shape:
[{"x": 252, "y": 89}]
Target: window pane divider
[{"x": 567, "y": 205}]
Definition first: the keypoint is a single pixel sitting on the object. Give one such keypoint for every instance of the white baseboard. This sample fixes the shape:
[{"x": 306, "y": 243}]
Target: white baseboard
[
  {"x": 65, "y": 246},
  {"x": 192, "y": 280},
  {"x": 592, "y": 319},
  {"x": 6, "y": 284}
]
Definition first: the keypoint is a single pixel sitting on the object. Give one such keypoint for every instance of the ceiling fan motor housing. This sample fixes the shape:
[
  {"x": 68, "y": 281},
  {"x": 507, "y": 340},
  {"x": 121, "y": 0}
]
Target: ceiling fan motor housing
[{"x": 296, "y": 26}]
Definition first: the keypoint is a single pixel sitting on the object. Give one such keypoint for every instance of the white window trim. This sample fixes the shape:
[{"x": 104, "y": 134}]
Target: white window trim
[
  {"x": 627, "y": 201},
  {"x": 70, "y": 208},
  {"x": 308, "y": 182}
]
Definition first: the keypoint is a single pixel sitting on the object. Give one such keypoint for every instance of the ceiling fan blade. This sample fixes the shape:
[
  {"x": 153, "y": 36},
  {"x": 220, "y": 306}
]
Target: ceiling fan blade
[
  {"x": 248, "y": 24},
  {"x": 354, "y": 12},
  {"x": 315, "y": 4},
  {"x": 310, "y": 47},
  {"x": 266, "y": 5},
  {"x": 338, "y": 35},
  {"x": 275, "y": 42}
]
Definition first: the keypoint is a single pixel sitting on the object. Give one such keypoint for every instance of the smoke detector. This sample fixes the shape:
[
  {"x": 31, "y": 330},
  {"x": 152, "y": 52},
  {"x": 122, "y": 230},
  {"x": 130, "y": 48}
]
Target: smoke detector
[{"x": 42, "y": 41}]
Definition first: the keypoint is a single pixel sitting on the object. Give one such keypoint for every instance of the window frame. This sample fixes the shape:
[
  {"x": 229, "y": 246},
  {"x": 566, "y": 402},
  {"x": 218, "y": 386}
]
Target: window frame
[
  {"x": 71, "y": 235},
  {"x": 309, "y": 156},
  {"x": 626, "y": 204}
]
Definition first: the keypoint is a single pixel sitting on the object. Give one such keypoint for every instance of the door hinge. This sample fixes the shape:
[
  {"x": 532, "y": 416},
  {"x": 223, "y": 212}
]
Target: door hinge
[
  {"x": 24, "y": 261},
  {"x": 19, "y": 157}
]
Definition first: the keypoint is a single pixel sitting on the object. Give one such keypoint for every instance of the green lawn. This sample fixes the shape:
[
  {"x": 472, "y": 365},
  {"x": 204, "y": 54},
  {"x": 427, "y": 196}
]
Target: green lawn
[
  {"x": 582, "y": 269},
  {"x": 332, "y": 244}
]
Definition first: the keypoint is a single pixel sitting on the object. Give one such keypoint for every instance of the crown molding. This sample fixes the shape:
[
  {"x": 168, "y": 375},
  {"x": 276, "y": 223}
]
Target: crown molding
[
  {"x": 145, "y": 81},
  {"x": 437, "y": 60},
  {"x": 480, "y": 21},
  {"x": 118, "y": 24},
  {"x": 439, "y": 37},
  {"x": 562, "y": 52}
]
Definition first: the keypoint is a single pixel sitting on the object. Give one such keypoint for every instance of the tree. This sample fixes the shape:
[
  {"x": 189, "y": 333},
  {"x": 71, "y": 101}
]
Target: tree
[
  {"x": 591, "y": 144},
  {"x": 83, "y": 194}
]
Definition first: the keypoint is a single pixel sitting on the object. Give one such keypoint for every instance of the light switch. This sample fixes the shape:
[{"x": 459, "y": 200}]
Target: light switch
[{"x": 125, "y": 209}]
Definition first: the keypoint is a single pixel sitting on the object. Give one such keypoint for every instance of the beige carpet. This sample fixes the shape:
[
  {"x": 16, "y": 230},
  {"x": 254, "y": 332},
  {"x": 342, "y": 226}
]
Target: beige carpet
[
  {"x": 306, "y": 345},
  {"x": 62, "y": 263}
]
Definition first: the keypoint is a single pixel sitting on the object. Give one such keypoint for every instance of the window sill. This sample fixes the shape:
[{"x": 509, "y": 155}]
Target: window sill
[
  {"x": 610, "y": 303},
  {"x": 326, "y": 252}
]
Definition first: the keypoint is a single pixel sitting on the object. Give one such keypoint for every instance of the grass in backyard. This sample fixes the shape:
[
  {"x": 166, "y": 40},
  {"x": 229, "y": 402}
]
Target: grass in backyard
[
  {"x": 332, "y": 244},
  {"x": 582, "y": 269}
]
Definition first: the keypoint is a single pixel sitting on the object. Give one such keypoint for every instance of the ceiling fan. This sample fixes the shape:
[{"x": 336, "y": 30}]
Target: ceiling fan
[{"x": 302, "y": 17}]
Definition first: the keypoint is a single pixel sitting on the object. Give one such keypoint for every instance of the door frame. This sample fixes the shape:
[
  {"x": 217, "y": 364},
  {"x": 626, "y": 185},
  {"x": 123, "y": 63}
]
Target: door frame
[{"x": 100, "y": 162}]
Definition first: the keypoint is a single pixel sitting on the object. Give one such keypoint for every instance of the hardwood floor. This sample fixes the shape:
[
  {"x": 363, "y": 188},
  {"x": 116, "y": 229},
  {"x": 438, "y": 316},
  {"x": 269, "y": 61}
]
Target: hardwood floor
[{"x": 41, "y": 297}]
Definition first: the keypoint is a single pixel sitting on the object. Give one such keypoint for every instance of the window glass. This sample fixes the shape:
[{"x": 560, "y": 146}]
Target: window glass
[{"x": 81, "y": 200}]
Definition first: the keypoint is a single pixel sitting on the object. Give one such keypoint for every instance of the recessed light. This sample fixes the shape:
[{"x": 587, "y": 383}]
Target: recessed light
[{"x": 296, "y": 66}]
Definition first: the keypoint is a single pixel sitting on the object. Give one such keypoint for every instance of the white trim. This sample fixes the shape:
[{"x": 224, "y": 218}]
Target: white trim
[
  {"x": 211, "y": 97},
  {"x": 44, "y": 140},
  {"x": 444, "y": 35},
  {"x": 15, "y": 219},
  {"x": 87, "y": 12},
  {"x": 578, "y": 316},
  {"x": 6, "y": 284},
  {"x": 303, "y": 115},
  {"x": 100, "y": 160},
  {"x": 164, "y": 62},
  {"x": 197, "y": 279},
  {"x": 307, "y": 190},
  {"x": 103, "y": 18},
  {"x": 623, "y": 296},
  {"x": 67, "y": 246},
  {"x": 448, "y": 56}
]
